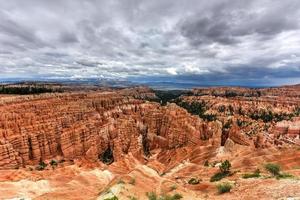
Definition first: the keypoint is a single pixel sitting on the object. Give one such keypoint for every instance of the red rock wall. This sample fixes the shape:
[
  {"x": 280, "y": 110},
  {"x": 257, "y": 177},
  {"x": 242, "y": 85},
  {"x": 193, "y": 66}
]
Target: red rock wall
[{"x": 86, "y": 124}]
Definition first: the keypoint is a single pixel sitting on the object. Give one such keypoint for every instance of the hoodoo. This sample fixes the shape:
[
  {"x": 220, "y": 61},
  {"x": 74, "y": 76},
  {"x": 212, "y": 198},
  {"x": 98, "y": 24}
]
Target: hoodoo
[{"x": 125, "y": 141}]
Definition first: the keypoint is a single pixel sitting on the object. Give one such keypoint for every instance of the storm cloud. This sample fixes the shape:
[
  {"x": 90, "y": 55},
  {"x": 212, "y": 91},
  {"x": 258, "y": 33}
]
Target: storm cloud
[{"x": 204, "y": 42}]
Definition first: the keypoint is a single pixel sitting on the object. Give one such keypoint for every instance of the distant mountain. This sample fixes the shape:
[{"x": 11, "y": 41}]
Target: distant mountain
[{"x": 90, "y": 81}]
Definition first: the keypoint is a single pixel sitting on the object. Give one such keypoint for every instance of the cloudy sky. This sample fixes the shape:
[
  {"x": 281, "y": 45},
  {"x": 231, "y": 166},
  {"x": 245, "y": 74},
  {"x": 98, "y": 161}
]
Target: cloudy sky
[{"x": 237, "y": 42}]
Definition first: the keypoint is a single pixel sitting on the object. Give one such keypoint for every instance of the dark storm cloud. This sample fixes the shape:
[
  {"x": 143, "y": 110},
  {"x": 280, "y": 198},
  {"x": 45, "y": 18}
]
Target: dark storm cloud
[
  {"x": 55, "y": 54},
  {"x": 88, "y": 63},
  {"x": 207, "y": 30},
  {"x": 67, "y": 37},
  {"x": 228, "y": 23},
  {"x": 5, "y": 52},
  {"x": 253, "y": 72},
  {"x": 9, "y": 27},
  {"x": 195, "y": 40},
  {"x": 245, "y": 76}
]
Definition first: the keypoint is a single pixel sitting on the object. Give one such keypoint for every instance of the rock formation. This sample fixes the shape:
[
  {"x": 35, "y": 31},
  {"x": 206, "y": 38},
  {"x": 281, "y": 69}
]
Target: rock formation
[
  {"x": 109, "y": 142},
  {"x": 88, "y": 124}
]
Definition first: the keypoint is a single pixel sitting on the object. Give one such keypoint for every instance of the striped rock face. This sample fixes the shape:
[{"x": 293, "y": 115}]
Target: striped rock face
[
  {"x": 87, "y": 125},
  {"x": 97, "y": 144}
]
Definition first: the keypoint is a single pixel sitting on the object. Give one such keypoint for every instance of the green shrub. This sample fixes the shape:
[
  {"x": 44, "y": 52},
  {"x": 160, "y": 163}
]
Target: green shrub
[
  {"x": 229, "y": 93},
  {"x": 42, "y": 165},
  {"x": 197, "y": 108},
  {"x": 163, "y": 97},
  {"x": 256, "y": 174},
  {"x": 23, "y": 90},
  {"x": 225, "y": 166},
  {"x": 176, "y": 197},
  {"x": 218, "y": 176},
  {"x": 224, "y": 171},
  {"x": 268, "y": 116},
  {"x": 224, "y": 187},
  {"x": 112, "y": 198},
  {"x": 173, "y": 187},
  {"x": 53, "y": 163},
  {"x": 170, "y": 197},
  {"x": 152, "y": 196},
  {"x": 240, "y": 123},
  {"x": 284, "y": 175},
  {"x": 132, "y": 198},
  {"x": 194, "y": 181},
  {"x": 209, "y": 117},
  {"x": 274, "y": 169}
]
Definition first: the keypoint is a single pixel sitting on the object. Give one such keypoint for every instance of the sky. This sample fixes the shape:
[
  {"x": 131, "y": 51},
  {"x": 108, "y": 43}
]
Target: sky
[{"x": 204, "y": 42}]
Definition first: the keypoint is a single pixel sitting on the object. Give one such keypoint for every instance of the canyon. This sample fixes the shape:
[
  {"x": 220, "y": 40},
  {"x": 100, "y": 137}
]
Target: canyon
[{"x": 105, "y": 143}]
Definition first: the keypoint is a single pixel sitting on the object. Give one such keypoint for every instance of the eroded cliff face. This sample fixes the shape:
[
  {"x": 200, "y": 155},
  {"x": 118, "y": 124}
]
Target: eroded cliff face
[
  {"x": 263, "y": 117},
  {"x": 287, "y": 131},
  {"x": 106, "y": 125},
  {"x": 115, "y": 142},
  {"x": 91, "y": 125}
]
